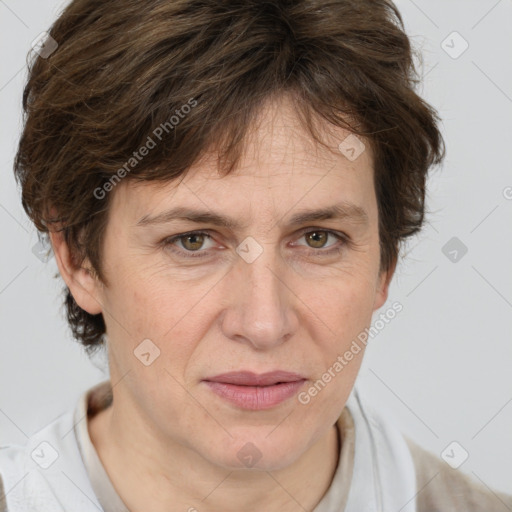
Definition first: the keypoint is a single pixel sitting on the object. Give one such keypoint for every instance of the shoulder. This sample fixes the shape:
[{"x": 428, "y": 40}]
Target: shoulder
[
  {"x": 47, "y": 472},
  {"x": 443, "y": 489},
  {"x": 29, "y": 471}
]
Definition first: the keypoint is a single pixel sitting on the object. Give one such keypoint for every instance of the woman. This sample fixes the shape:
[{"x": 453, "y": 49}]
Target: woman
[{"x": 226, "y": 186}]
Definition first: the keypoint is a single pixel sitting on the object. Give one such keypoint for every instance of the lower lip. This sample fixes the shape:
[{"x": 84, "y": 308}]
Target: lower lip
[{"x": 256, "y": 397}]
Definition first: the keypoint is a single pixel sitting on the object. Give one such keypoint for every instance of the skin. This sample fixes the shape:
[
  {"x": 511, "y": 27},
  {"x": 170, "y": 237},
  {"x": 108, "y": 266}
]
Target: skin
[{"x": 167, "y": 438}]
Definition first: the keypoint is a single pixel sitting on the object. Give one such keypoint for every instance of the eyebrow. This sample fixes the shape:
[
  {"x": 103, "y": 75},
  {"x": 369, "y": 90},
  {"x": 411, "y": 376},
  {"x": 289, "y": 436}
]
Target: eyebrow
[{"x": 341, "y": 211}]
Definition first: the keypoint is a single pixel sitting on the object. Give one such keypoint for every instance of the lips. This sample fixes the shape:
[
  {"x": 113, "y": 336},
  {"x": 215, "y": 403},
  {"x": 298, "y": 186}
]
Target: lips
[
  {"x": 245, "y": 378},
  {"x": 252, "y": 391}
]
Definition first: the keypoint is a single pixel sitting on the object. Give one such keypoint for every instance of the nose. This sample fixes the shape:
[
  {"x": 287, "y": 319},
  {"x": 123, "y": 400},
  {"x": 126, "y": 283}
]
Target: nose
[{"x": 260, "y": 310}]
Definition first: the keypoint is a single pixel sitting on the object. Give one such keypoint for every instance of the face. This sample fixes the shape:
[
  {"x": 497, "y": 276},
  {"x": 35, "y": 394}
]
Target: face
[{"x": 267, "y": 292}]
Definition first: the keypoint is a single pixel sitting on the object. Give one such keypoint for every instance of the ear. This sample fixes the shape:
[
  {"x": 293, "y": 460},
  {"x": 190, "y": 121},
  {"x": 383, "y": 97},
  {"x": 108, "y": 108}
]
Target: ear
[
  {"x": 381, "y": 295},
  {"x": 81, "y": 281}
]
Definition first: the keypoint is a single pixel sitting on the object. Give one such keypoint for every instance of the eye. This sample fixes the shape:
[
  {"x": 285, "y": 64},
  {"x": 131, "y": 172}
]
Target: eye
[
  {"x": 317, "y": 239},
  {"x": 191, "y": 242}
]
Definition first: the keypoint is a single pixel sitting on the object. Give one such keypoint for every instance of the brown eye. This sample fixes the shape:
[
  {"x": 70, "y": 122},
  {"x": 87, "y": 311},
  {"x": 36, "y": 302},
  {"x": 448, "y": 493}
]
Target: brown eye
[
  {"x": 192, "y": 242},
  {"x": 317, "y": 239},
  {"x": 320, "y": 241}
]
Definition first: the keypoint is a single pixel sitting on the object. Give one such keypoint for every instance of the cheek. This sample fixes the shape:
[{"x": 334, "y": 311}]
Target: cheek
[
  {"x": 146, "y": 296},
  {"x": 343, "y": 306},
  {"x": 346, "y": 308},
  {"x": 174, "y": 315}
]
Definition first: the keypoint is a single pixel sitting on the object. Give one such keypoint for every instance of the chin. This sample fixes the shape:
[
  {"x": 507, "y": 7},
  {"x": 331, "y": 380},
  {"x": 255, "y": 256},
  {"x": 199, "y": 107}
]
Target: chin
[{"x": 258, "y": 451}]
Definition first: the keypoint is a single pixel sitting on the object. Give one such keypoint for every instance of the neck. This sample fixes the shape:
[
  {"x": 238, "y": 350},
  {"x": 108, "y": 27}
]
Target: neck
[{"x": 149, "y": 472}]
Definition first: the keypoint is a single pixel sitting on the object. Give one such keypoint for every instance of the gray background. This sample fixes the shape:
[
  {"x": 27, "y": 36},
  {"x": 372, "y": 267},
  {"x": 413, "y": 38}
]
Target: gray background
[{"x": 442, "y": 367}]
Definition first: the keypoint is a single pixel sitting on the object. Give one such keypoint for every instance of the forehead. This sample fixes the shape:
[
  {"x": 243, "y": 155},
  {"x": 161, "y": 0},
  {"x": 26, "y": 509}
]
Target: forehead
[{"x": 282, "y": 167}]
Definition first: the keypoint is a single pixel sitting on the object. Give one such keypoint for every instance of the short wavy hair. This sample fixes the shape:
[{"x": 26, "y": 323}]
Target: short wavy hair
[{"x": 119, "y": 69}]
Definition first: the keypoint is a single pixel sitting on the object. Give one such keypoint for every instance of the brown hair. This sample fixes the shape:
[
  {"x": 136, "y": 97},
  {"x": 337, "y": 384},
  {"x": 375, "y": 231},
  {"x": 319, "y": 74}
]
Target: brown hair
[{"x": 125, "y": 68}]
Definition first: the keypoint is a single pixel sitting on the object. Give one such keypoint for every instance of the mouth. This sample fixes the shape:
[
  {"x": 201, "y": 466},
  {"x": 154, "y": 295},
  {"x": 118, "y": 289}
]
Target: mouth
[
  {"x": 248, "y": 390},
  {"x": 247, "y": 378}
]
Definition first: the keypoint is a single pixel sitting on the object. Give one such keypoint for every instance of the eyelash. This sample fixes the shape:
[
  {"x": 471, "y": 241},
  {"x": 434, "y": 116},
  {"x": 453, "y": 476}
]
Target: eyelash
[{"x": 169, "y": 242}]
